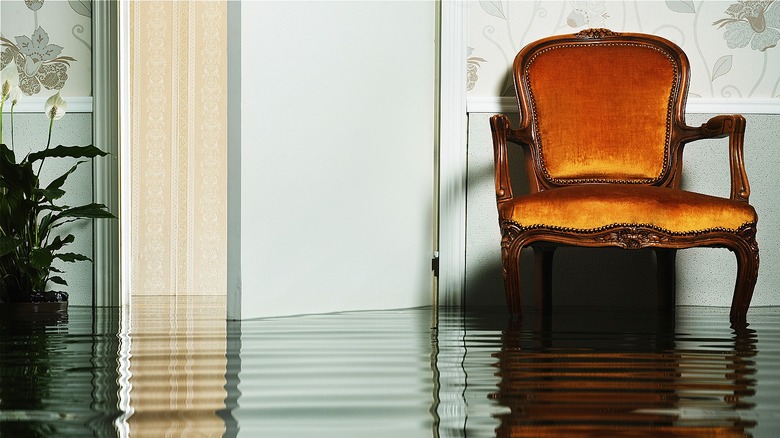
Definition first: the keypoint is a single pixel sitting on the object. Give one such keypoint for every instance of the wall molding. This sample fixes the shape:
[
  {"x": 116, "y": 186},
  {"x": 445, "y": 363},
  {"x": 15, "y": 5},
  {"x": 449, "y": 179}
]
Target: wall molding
[
  {"x": 76, "y": 104},
  {"x": 234, "y": 297},
  {"x": 453, "y": 130},
  {"x": 694, "y": 106},
  {"x": 105, "y": 135},
  {"x": 125, "y": 198}
]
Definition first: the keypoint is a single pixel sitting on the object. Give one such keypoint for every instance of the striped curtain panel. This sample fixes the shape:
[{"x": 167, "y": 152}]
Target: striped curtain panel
[{"x": 178, "y": 72}]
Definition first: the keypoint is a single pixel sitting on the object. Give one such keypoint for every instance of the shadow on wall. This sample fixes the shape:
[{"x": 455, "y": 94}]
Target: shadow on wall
[{"x": 581, "y": 276}]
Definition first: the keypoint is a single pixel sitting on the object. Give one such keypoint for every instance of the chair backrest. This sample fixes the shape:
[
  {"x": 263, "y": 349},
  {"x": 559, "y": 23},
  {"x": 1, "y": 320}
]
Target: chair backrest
[{"x": 602, "y": 107}]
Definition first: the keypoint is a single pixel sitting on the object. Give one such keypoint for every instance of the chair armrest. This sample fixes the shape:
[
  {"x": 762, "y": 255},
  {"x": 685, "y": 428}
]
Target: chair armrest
[
  {"x": 502, "y": 133},
  {"x": 732, "y": 126},
  {"x": 500, "y": 128}
]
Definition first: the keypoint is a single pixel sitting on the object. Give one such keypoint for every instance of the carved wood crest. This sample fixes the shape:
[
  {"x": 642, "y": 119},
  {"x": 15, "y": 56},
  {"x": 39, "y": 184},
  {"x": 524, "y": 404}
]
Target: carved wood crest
[
  {"x": 632, "y": 238},
  {"x": 596, "y": 33}
]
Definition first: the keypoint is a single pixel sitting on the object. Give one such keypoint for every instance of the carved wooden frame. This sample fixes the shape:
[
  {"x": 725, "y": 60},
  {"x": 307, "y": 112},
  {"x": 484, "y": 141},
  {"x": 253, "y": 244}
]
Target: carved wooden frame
[{"x": 628, "y": 236}]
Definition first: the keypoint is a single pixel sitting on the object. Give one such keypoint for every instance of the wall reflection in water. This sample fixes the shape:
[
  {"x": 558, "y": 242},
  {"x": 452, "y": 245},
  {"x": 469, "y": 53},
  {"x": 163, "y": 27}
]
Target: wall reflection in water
[
  {"x": 176, "y": 368},
  {"x": 356, "y": 374}
]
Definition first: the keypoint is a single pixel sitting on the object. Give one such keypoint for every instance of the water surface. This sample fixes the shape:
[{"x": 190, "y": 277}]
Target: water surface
[{"x": 179, "y": 370}]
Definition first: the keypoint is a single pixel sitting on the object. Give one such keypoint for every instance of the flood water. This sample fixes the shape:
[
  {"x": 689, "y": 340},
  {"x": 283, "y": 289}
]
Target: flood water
[{"x": 180, "y": 370}]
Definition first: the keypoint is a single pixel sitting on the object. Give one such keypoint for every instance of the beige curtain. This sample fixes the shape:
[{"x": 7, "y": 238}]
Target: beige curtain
[
  {"x": 178, "y": 144},
  {"x": 178, "y": 147}
]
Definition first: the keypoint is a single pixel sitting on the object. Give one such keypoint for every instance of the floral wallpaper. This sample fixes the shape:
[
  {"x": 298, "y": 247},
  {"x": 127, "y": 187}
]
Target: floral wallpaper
[
  {"x": 49, "y": 43},
  {"x": 731, "y": 45}
]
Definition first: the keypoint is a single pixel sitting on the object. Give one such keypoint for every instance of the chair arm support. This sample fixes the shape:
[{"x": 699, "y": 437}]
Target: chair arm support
[
  {"x": 732, "y": 126},
  {"x": 500, "y": 128}
]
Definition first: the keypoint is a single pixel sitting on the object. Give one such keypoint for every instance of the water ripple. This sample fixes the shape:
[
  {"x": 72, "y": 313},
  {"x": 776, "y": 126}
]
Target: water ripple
[{"x": 388, "y": 374}]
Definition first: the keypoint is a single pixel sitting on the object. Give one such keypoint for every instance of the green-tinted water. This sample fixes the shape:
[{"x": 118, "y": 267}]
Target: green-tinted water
[{"x": 585, "y": 372}]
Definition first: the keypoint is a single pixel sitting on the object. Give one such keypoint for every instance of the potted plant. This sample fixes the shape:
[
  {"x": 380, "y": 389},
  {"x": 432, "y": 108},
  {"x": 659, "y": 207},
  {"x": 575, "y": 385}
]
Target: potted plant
[{"x": 31, "y": 214}]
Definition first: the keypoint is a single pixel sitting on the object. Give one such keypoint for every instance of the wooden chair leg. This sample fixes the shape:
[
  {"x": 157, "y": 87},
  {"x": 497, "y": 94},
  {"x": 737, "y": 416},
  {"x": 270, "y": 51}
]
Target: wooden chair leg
[
  {"x": 747, "y": 274},
  {"x": 666, "y": 276},
  {"x": 543, "y": 263},
  {"x": 511, "y": 268}
]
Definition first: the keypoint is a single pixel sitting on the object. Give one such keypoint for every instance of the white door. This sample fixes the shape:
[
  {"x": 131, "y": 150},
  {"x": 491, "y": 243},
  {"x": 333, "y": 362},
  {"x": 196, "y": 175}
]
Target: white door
[{"x": 337, "y": 205}]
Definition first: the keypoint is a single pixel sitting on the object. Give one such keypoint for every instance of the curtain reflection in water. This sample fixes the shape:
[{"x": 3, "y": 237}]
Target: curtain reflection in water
[{"x": 175, "y": 375}]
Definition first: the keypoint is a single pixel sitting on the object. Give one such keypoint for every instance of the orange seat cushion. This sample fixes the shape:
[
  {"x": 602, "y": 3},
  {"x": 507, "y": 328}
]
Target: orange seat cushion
[{"x": 594, "y": 206}]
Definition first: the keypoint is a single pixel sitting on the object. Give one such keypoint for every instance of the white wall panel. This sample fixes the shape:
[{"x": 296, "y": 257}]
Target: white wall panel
[{"x": 337, "y": 149}]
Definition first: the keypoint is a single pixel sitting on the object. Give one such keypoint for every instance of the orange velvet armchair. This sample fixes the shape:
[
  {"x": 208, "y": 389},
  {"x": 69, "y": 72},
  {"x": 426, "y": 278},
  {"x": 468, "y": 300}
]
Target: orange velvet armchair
[{"x": 602, "y": 127}]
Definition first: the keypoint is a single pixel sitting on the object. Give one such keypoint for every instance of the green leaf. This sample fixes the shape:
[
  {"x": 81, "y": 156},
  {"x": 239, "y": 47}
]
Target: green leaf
[
  {"x": 58, "y": 242},
  {"x": 8, "y": 244},
  {"x": 41, "y": 258},
  {"x": 67, "y": 151},
  {"x": 85, "y": 211},
  {"x": 6, "y": 154},
  {"x": 52, "y": 207},
  {"x": 59, "y": 224},
  {"x": 71, "y": 257},
  {"x": 15, "y": 214},
  {"x": 45, "y": 223},
  {"x": 49, "y": 194},
  {"x": 57, "y": 183},
  {"x": 58, "y": 280},
  {"x": 18, "y": 177}
]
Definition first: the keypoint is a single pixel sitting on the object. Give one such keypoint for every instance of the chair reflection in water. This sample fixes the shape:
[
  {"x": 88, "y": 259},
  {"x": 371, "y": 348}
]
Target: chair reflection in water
[
  {"x": 602, "y": 128},
  {"x": 640, "y": 377}
]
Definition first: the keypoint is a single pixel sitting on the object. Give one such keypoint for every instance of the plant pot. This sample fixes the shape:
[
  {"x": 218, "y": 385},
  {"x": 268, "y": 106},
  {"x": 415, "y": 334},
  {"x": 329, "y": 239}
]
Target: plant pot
[
  {"x": 50, "y": 307},
  {"x": 46, "y": 302}
]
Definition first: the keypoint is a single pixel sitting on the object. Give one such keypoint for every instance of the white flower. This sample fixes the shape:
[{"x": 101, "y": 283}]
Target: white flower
[
  {"x": 10, "y": 79},
  {"x": 14, "y": 95},
  {"x": 55, "y": 107}
]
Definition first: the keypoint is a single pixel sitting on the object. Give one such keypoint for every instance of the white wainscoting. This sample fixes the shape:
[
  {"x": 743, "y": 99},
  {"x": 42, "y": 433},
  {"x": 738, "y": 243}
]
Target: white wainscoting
[{"x": 37, "y": 103}]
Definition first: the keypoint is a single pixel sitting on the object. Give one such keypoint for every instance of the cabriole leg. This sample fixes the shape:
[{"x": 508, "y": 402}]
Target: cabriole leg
[
  {"x": 543, "y": 266},
  {"x": 666, "y": 276},
  {"x": 511, "y": 267},
  {"x": 747, "y": 274}
]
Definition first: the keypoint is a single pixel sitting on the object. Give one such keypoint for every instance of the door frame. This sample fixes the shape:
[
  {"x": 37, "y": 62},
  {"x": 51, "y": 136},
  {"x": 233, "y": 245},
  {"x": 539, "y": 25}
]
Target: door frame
[
  {"x": 111, "y": 87},
  {"x": 105, "y": 134},
  {"x": 453, "y": 130}
]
